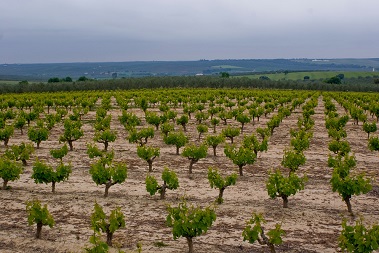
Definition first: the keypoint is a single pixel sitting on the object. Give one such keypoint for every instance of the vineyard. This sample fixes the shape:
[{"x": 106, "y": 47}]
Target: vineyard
[{"x": 218, "y": 170}]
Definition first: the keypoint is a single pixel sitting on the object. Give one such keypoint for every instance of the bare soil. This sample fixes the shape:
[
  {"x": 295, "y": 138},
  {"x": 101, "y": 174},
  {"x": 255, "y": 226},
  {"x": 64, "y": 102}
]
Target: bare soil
[{"x": 312, "y": 222}]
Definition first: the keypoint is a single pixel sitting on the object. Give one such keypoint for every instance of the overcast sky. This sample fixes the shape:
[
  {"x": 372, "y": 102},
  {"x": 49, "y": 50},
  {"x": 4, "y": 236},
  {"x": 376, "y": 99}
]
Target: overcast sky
[{"x": 39, "y": 31}]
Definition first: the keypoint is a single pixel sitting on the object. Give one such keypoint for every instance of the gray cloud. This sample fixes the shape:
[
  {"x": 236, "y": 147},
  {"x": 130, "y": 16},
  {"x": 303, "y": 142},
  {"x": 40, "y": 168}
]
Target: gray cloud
[{"x": 125, "y": 30}]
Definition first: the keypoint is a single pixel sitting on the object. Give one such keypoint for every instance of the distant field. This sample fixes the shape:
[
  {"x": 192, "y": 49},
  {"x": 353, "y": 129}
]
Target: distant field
[
  {"x": 8, "y": 82},
  {"x": 314, "y": 75},
  {"x": 225, "y": 67}
]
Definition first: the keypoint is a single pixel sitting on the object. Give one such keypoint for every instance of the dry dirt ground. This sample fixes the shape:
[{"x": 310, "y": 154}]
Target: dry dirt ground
[{"x": 312, "y": 222}]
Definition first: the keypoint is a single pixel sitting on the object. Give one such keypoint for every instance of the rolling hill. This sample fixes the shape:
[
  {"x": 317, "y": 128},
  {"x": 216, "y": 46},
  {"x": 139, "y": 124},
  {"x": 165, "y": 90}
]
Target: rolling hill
[{"x": 106, "y": 70}]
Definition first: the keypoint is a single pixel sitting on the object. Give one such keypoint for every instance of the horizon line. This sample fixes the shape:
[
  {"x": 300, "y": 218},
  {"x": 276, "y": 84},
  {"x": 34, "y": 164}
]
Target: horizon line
[{"x": 230, "y": 59}]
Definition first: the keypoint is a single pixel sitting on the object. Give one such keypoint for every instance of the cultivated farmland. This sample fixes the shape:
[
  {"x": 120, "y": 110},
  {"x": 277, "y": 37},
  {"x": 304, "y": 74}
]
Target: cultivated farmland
[{"x": 266, "y": 125}]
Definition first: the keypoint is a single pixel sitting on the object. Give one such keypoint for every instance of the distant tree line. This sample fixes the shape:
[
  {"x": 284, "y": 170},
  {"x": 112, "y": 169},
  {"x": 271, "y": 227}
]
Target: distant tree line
[
  {"x": 356, "y": 84},
  {"x": 66, "y": 79}
]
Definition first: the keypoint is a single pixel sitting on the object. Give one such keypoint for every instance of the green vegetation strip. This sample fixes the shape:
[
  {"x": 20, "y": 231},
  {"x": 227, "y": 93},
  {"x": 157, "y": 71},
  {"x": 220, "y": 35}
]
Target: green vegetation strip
[{"x": 313, "y": 75}]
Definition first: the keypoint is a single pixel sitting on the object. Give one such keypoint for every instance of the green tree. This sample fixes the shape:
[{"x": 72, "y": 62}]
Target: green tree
[
  {"x": 300, "y": 140},
  {"x": 129, "y": 120},
  {"x": 344, "y": 163},
  {"x": 358, "y": 238},
  {"x": 189, "y": 221},
  {"x": 148, "y": 154},
  {"x": 214, "y": 141},
  {"x": 143, "y": 104},
  {"x": 273, "y": 123},
  {"x": 103, "y": 121},
  {"x": 39, "y": 215},
  {"x": 49, "y": 103},
  {"x": 105, "y": 137},
  {"x": 201, "y": 129},
  {"x": 253, "y": 142},
  {"x": 5, "y": 134},
  {"x": 104, "y": 172},
  {"x": 171, "y": 115},
  {"x": 98, "y": 245},
  {"x": 264, "y": 133},
  {"x": 23, "y": 82},
  {"x": 224, "y": 116},
  {"x": 170, "y": 181},
  {"x": 305, "y": 123},
  {"x": 38, "y": 134},
  {"x": 153, "y": 119},
  {"x": 51, "y": 120},
  {"x": 345, "y": 183},
  {"x": 231, "y": 132},
  {"x": 219, "y": 182},
  {"x": 43, "y": 173},
  {"x": 337, "y": 134},
  {"x": 59, "y": 153},
  {"x": 68, "y": 79},
  {"x": 340, "y": 76},
  {"x": 369, "y": 128},
  {"x": 93, "y": 151},
  {"x": 53, "y": 80},
  {"x": 9, "y": 171},
  {"x": 215, "y": 122},
  {"x": 373, "y": 144},
  {"x": 141, "y": 136},
  {"x": 82, "y": 79},
  {"x": 333, "y": 80},
  {"x": 61, "y": 112},
  {"x": 194, "y": 154},
  {"x": 240, "y": 156},
  {"x": 189, "y": 109},
  {"x": 20, "y": 152},
  {"x": 255, "y": 232},
  {"x": 230, "y": 104},
  {"x": 243, "y": 119},
  {"x": 257, "y": 112},
  {"x": 179, "y": 139},
  {"x": 212, "y": 111},
  {"x": 183, "y": 121},
  {"x": 72, "y": 132},
  {"x": 200, "y": 117},
  {"x": 280, "y": 186},
  {"x": 166, "y": 128},
  {"x": 358, "y": 114},
  {"x": 20, "y": 123},
  {"x": 340, "y": 148},
  {"x": 99, "y": 221},
  {"x": 224, "y": 74},
  {"x": 293, "y": 160}
]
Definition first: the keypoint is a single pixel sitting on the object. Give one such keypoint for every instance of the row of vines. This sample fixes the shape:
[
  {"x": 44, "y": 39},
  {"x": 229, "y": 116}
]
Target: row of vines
[{"x": 145, "y": 142}]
